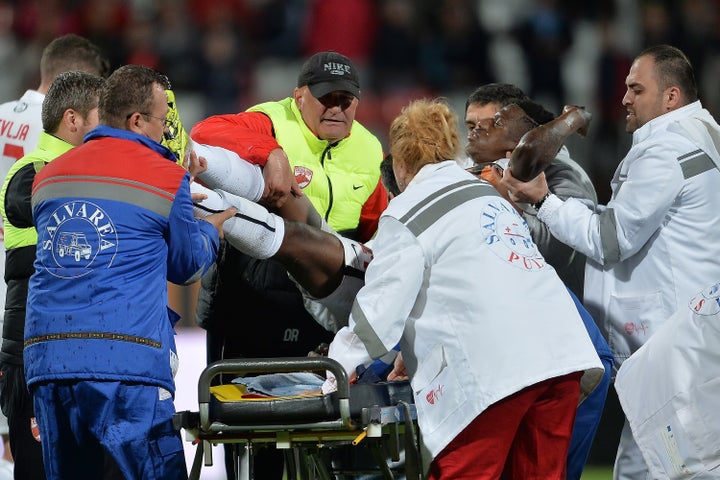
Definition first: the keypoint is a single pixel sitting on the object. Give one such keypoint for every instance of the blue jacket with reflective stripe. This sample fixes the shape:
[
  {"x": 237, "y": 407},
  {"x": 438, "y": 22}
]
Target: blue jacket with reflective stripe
[{"x": 115, "y": 223}]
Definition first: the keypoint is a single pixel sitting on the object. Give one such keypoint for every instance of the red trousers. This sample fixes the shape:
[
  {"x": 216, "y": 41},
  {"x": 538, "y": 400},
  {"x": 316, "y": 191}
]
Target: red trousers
[{"x": 524, "y": 436}]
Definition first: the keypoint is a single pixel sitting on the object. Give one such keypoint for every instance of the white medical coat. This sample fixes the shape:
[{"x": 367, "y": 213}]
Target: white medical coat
[
  {"x": 670, "y": 391},
  {"x": 479, "y": 315},
  {"x": 656, "y": 240}
]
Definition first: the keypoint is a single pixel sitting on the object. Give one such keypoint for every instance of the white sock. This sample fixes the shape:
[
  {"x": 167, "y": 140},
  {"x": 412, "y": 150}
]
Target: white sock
[{"x": 253, "y": 230}]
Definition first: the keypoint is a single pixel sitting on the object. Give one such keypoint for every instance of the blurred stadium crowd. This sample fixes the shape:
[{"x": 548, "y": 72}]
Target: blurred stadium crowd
[{"x": 226, "y": 55}]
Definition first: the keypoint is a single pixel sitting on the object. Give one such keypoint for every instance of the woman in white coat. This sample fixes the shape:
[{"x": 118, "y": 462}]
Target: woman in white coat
[{"x": 492, "y": 341}]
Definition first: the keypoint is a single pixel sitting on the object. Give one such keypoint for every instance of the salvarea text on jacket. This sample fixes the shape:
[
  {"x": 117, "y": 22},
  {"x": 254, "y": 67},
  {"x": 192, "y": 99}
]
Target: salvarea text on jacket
[{"x": 115, "y": 223}]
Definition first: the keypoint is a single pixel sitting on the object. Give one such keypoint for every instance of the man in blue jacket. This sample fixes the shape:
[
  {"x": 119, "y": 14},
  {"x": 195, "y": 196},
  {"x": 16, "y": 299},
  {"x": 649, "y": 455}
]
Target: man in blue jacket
[{"x": 115, "y": 222}]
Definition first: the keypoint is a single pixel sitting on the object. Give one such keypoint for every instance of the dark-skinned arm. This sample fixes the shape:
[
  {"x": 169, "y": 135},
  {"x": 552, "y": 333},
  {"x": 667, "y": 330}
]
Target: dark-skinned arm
[{"x": 539, "y": 146}]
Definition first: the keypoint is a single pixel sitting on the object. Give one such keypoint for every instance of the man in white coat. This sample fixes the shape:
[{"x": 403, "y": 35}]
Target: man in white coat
[
  {"x": 669, "y": 390},
  {"x": 654, "y": 242}
]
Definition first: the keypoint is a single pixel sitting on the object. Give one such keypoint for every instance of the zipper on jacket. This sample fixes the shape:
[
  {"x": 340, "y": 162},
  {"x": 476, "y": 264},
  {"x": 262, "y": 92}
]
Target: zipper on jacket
[{"x": 328, "y": 153}]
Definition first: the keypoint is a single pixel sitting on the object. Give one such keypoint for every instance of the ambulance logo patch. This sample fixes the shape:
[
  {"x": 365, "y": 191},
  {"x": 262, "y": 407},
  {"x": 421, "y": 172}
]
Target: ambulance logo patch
[
  {"x": 34, "y": 429},
  {"x": 76, "y": 233},
  {"x": 435, "y": 395},
  {"x": 303, "y": 176},
  {"x": 509, "y": 236},
  {"x": 707, "y": 302}
]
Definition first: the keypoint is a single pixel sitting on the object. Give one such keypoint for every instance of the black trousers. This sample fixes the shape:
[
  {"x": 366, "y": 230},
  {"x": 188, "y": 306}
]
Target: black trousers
[{"x": 17, "y": 406}]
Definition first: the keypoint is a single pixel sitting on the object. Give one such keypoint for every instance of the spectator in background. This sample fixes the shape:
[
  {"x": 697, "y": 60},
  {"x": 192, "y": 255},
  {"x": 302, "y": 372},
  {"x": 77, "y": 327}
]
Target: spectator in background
[
  {"x": 222, "y": 66},
  {"x": 11, "y": 54},
  {"x": 177, "y": 45},
  {"x": 209, "y": 15},
  {"x": 347, "y": 27},
  {"x": 659, "y": 23},
  {"x": 546, "y": 36},
  {"x": 453, "y": 36},
  {"x": 139, "y": 43},
  {"x": 612, "y": 67},
  {"x": 40, "y": 21},
  {"x": 336, "y": 162},
  {"x": 699, "y": 38},
  {"x": 106, "y": 23},
  {"x": 395, "y": 55},
  {"x": 140, "y": 48},
  {"x": 23, "y": 116},
  {"x": 277, "y": 28},
  {"x": 397, "y": 69}
]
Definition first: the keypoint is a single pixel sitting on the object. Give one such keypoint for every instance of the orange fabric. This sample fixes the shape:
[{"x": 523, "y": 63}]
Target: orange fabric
[
  {"x": 370, "y": 213},
  {"x": 492, "y": 175},
  {"x": 249, "y": 134}
]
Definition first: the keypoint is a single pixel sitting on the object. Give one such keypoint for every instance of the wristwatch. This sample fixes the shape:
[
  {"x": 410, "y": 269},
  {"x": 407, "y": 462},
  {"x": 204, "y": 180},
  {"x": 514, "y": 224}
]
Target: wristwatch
[{"x": 540, "y": 202}]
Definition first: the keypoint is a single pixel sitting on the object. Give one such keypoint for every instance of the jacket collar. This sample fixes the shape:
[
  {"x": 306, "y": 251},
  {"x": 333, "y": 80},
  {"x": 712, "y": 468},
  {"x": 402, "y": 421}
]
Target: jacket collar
[
  {"x": 662, "y": 122},
  {"x": 51, "y": 143},
  {"x": 105, "y": 131}
]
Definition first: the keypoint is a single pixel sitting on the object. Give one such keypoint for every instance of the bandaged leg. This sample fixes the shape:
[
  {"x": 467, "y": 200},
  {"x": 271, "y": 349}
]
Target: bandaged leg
[
  {"x": 253, "y": 230},
  {"x": 228, "y": 172}
]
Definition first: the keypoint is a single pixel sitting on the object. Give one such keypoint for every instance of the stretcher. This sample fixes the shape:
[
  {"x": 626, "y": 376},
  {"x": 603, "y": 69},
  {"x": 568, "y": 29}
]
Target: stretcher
[{"x": 378, "y": 417}]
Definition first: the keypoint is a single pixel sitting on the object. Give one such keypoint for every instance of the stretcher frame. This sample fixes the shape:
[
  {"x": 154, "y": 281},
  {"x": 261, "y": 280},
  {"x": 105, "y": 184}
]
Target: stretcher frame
[{"x": 380, "y": 428}]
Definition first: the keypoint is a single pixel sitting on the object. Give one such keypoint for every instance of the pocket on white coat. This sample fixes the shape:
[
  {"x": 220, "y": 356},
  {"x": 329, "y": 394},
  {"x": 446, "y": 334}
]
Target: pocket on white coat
[
  {"x": 438, "y": 393},
  {"x": 634, "y": 320}
]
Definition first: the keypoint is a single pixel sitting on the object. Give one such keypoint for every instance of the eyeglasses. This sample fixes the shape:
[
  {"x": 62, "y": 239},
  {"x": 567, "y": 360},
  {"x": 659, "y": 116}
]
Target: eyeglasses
[
  {"x": 336, "y": 99},
  {"x": 164, "y": 120},
  {"x": 481, "y": 124},
  {"x": 498, "y": 121},
  {"x": 166, "y": 123}
]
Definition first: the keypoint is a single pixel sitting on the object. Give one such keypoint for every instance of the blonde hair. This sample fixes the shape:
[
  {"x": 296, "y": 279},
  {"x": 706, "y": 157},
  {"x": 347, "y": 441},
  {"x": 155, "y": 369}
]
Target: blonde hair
[{"x": 425, "y": 132}]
